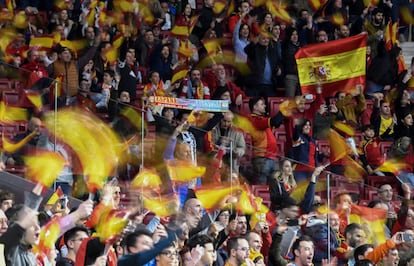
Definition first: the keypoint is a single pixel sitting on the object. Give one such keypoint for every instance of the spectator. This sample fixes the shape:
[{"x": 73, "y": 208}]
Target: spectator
[
  {"x": 383, "y": 70},
  {"x": 342, "y": 31},
  {"x": 265, "y": 65},
  {"x": 83, "y": 99},
  {"x": 241, "y": 38},
  {"x": 3, "y": 223},
  {"x": 290, "y": 46},
  {"x": 264, "y": 142},
  {"x": 161, "y": 60},
  {"x": 205, "y": 242},
  {"x": 348, "y": 112},
  {"x": 238, "y": 251},
  {"x": 322, "y": 36},
  {"x": 323, "y": 120},
  {"x": 226, "y": 135},
  {"x": 128, "y": 71},
  {"x": 106, "y": 88},
  {"x": 156, "y": 87},
  {"x": 404, "y": 127},
  {"x": 303, "y": 251},
  {"x": 383, "y": 121},
  {"x": 305, "y": 27},
  {"x": 282, "y": 183},
  {"x": 218, "y": 81},
  {"x": 194, "y": 88},
  {"x": 207, "y": 20},
  {"x": 68, "y": 68},
  {"x": 6, "y": 200},
  {"x": 304, "y": 151},
  {"x": 371, "y": 156},
  {"x": 73, "y": 239},
  {"x": 244, "y": 17}
]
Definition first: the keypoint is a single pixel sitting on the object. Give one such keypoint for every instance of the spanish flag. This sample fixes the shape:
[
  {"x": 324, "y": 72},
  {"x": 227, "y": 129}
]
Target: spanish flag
[
  {"x": 57, "y": 195},
  {"x": 337, "y": 65},
  {"x": 390, "y": 35},
  {"x": 183, "y": 171},
  {"x": 372, "y": 218}
]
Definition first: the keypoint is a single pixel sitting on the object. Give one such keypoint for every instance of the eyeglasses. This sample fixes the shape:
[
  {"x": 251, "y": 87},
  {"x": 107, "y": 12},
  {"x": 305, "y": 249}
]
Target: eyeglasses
[
  {"x": 3, "y": 221},
  {"x": 244, "y": 249},
  {"x": 79, "y": 239},
  {"x": 170, "y": 254}
]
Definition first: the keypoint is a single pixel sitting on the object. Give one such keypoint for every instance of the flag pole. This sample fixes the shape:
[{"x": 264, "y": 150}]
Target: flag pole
[
  {"x": 55, "y": 124},
  {"x": 142, "y": 136},
  {"x": 328, "y": 177}
]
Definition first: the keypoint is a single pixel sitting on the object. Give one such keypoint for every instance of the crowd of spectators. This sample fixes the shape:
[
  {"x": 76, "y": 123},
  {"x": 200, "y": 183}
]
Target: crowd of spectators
[{"x": 294, "y": 229}]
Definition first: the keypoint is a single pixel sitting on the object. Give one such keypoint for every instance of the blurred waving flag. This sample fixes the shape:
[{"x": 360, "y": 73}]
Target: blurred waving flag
[
  {"x": 93, "y": 141},
  {"x": 44, "y": 166},
  {"x": 214, "y": 196},
  {"x": 162, "y": 206},
  {"x": 49, "y": 234},
  {"x": 372, "y": 218},
  {"x": 57, "y": 195},
  {"x": 12, "y": 147},
  {"x": 146, "y": 178},
  {"x": 338, "y": 65},
  {"x": 183, "y": 171}
]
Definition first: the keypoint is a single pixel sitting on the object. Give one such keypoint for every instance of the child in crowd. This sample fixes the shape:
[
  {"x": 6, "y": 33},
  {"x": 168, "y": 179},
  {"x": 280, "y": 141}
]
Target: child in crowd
[
  {"x": 101, "y": 99},
  {"x": 371, "y": 156}
]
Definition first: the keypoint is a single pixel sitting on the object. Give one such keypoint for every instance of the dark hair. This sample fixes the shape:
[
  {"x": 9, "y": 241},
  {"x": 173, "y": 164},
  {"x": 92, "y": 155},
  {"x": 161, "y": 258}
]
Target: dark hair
[
  {"x": 360, "y": 251},
  {"x": 13, "y": 213},
  {"x": 201, "y": 240},
  {"x": 351, "y": 228},
  {"x": 372, "y": 203},
  {"x": 110, "y": 72},
  {"x": 296, "y": 244},
  {"x": 6, "y": 195},
  {"x": 366, "y": 127},
  {"x": 288, "y": 202},
  {"x": 253, "y": 101},
  {"x": 70, "y": 234},
  {"x": 233, "y": 243},
  {"x": 131, "y": 238},
  {"x": 364, "y": 262}
]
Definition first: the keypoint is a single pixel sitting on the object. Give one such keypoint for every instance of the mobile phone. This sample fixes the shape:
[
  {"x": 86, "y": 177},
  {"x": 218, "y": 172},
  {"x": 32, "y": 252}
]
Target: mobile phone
[
  {"x": 407, "y": 237},
  {"x": 293, "y": 222}
]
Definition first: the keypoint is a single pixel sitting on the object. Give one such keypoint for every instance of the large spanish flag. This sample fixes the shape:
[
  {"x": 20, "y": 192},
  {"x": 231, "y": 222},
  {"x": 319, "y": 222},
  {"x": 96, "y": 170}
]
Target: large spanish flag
[
  {"x": 373, "y": 219},
  {"x": 337, "y": 65}
]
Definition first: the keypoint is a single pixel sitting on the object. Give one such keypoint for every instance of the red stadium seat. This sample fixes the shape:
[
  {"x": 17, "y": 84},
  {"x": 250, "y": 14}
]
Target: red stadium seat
[
  {"x": 385, "y": 146},
  {"x": 244, "y": 108},
  {"x": 11, "y": 98},
  {"x": 273, "y": 104}
]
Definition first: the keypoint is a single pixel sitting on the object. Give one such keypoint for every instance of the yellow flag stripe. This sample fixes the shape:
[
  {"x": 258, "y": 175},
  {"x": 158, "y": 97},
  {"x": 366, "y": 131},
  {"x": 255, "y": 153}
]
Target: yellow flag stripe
[{"x": 341, "y": 66}]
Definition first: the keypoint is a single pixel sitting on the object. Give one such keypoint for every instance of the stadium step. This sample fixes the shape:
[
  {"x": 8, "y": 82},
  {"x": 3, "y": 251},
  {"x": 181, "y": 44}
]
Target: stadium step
[{"x": 408, "y": 52}]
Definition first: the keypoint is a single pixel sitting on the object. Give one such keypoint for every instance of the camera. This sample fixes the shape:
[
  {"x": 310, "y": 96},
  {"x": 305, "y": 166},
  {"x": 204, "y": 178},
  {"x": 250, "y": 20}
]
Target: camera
[{"x": 407, "y": 237}]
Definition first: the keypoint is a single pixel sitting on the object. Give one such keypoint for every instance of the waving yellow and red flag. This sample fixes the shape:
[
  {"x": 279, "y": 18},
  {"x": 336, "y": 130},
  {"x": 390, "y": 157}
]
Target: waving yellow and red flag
[
  {"x": 44, "y": 166},
  {"x": 183, "y": 171},
  {"x": 57, "y": 195},
  {"x": 11, "y": 147},
  {"x": 49, "y": 234},
  {"x": 338, "y": 65},
  {"x": 372, "y": 218},
  {"x": 162, "y": 206},
  {"x": 9, "y": 113},
  {"x": 338, "y": 146},
  {"x": 84, "y": 133},
  {"x": 111, "y": 224},
  {"x": 390, "y": 34},
  {"x": 146, "y": 178},
  {"x": 212, "y": 197}
]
